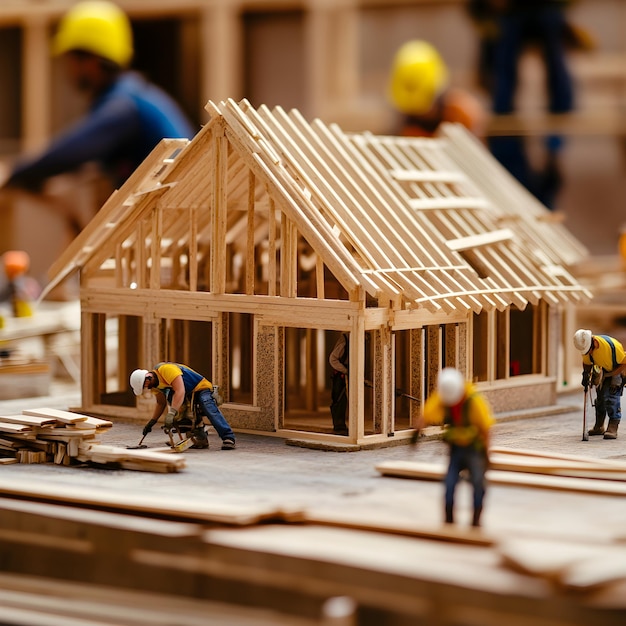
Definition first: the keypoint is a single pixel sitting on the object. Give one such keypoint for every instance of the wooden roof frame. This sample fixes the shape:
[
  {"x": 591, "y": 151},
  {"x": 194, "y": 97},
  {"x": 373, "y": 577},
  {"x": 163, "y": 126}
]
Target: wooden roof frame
[{"x": 434, "y": 224}]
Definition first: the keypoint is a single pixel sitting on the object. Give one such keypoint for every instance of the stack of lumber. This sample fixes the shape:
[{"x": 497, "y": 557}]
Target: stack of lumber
[
  {"x": 65, "y": 438},
  {"x": 525, "y": 468}
]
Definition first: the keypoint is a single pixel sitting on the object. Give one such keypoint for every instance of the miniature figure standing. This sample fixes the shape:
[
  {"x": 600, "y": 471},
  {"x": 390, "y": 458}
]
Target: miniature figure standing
[
  {"x": 175, "y": 384},
  {"x": 466, "y": 418},
  {"x": 607, "y": 353},
  {"x": 338, "y": 360}
]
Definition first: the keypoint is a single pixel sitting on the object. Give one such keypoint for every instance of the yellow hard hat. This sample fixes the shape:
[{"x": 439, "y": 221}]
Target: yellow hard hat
[
  {"x": 99, "y": 27},
  {"x": 418, "y": 76}
]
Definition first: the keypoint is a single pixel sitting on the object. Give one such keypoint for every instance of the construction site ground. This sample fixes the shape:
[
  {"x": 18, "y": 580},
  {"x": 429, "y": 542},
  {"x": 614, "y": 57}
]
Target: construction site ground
[{"x": 354, "y": 530}]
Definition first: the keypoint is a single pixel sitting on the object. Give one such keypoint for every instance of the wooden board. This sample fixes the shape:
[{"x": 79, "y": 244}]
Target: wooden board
[
  {"x": 439, "y": 532},
  {"x": 547, "y": 558},
  {"x": 29, "y": 420},
  {"x": 555, "y": 455},
  {"x": 150, "y": 504},
  {"x": 430, "y": 471},
  {"x": 556, "y": 467},
  {"x": 65, "y": 417},
  {"x": 597, "y": 571}
]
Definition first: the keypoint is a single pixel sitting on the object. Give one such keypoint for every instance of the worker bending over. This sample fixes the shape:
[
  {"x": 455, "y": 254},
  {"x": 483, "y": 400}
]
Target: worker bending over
[
  {"x": 173, "y": 385},
  {"x": 607, "y": 354},
  {"x": 466, "y": 418}
]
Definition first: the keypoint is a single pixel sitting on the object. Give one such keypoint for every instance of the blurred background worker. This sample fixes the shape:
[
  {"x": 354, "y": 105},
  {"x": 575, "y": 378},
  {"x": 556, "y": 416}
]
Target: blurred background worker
[
  {"x": 508, "y": 28},
  {"x": 467, "y": 419},
  {"x": 419, "y": 90},
  {"x": 128, "y": 115}
]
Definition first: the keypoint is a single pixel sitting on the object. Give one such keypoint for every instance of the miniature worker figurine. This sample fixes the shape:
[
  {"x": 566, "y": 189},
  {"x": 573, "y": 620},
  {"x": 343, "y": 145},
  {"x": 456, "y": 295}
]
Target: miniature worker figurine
[
  {"x": 338, "y": 360},
  {"x": 17, "y": 288},
  {"x": 419, "y": 91},
  {"x": 466, "y": 418},
  {"x": 606, "y": 353},
  {"x": 174, "y": 384},
  {"x": 128, "y": 115}
]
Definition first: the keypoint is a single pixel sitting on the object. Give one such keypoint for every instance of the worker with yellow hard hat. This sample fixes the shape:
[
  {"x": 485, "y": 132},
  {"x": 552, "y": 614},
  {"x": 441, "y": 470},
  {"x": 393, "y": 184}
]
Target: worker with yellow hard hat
[
  {"x": 419, "y": 90},
  {"x": 128, "y": 115}
]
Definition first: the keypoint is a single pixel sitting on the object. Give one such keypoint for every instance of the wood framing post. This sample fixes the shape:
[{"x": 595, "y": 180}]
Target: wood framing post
[
  {"x": 221, "y": 37},
  {"x": 332, "y": 31},
  {"x": 221, "y": 354},
  {"x": 250, "y": 256},
  {"x": 192, "y": 252},
  {"x": 35, "y": 84},
  {"x": 288, "y": 258},
  {"x": 356, "y": 382},
  {"x": 88, "y": 355},
  {"x": 384, "y": 381},
  {"x": 155, "y": 247},
  {"x": 218, "y": 216},
  {"x": 271, "y": 251}
]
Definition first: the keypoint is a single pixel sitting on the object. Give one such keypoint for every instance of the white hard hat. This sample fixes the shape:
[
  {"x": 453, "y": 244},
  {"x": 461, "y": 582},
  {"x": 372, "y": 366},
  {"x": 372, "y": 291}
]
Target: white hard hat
[
  {"x": 582, "y": 340},
  {"x": 137, "y": 379},
  {"x": 451, "y": 386}
]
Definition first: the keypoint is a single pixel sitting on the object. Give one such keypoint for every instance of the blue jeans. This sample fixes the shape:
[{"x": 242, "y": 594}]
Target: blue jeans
[
  {"x": 206, "y": 403},
  {"x": 608, "y": 402},
  {"x": 475, "y": 461},
  {"x": 545, "y": 25}
]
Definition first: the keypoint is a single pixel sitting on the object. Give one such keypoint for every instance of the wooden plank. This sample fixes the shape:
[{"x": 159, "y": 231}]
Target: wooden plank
[
  {"x": 559, "y": 456},
  {"x": 28, "y": 420},
  {"x": 436, "y": 472},
  {"x": 7, "y": 427},
  {"x": 597, "y": 571},
  {"x": 548, "y": 558},
  {"x": 65, "y": 417},
  {"x": 447, "y": 533},
  {"x": 482, "y": 239},
  {"x": 148, "y": 504}
]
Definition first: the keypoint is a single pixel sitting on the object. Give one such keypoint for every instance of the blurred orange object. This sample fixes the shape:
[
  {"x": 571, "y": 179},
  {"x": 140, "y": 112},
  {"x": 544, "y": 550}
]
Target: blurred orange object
[{"x": 16, "y": 263}]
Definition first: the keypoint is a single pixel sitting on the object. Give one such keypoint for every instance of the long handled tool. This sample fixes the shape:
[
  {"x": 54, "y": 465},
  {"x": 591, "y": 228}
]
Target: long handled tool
[
  {"x": 139, "y": 446},
  {"x": 585, "y": 432}
]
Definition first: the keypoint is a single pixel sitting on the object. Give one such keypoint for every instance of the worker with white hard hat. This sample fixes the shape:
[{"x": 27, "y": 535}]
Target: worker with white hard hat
[
  {"x": 466, "y": 418},
  {"x": 606, "y": 356},
  {"x": 176, "y": 386}
]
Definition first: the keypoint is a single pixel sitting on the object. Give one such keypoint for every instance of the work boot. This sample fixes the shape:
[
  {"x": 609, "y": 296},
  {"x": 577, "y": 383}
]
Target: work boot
[
  {"x": 200, "y": 438},
  {"x": 449, "y": 515},
  {"x": 611, "y": 431},
  {"x": 476, "y": 518},
  {"x": 598, "y": 429}
]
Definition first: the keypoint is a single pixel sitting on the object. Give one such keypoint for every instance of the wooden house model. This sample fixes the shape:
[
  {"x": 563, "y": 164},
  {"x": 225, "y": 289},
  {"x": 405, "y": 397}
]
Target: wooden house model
[{"x": 246, "y": 251}]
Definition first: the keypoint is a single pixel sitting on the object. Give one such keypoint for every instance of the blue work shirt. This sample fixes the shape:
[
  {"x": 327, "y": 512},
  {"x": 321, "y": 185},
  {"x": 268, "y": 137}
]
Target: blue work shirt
[{"x": 122, "y": 127}]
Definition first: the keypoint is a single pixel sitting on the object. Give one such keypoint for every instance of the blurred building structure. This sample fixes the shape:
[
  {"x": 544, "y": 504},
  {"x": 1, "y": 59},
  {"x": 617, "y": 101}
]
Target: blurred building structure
[{"x": 329, "y": 59}]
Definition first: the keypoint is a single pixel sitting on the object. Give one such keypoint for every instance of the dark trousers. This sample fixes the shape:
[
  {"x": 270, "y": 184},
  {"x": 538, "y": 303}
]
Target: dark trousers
[
  {"x": 339, "y": 401},
  {"x": 475, "y": 461}
]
